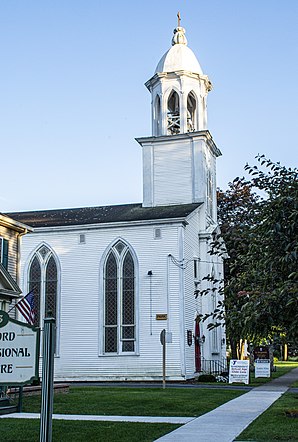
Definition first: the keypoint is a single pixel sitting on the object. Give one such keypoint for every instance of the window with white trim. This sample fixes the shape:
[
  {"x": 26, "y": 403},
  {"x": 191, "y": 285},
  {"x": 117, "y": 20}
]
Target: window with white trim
[
  {"x": 4, "y": 252},
  {"x": 43, "y": 281},
  {"x": 119, "y": 301}
]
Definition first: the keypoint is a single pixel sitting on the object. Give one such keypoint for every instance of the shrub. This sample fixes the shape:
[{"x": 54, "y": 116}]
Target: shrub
[{"x": 206, "y": 378}]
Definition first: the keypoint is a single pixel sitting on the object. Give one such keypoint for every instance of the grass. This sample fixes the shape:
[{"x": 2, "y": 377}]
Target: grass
[
  {"x": 27, "y": 430},
  {"x": 273, "y": 424},
  {"x": 115, "y": 401},
  {"x": 135, "y": 401},
  {"x": 281, "y": 369}
]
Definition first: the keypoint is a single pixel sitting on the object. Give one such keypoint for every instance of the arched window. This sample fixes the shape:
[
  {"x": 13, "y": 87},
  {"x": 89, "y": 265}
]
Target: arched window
[
  {"x": 43, "y": 281},
  {"x": 191, "y": 112},
  {"x": 157, "y": 115},
  {"x": 173, "y": 114},
  {"x": 119, "y": 301}
]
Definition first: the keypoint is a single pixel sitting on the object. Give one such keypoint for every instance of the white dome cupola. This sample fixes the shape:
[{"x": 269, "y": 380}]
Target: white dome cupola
[
  {"x": 179, "y": 159},
  {"x": 179, "y": 90}
]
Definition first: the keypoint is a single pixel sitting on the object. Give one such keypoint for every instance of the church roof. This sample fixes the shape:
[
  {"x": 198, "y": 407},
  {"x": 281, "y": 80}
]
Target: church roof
[{"x": 102, "y": 214}]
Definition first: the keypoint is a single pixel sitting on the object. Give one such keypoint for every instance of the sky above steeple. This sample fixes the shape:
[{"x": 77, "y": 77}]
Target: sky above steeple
[{"x": 73, "y": 98}]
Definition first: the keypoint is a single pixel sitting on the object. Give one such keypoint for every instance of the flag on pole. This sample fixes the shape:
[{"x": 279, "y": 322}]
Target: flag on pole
[{"x": 26, "y": 307}]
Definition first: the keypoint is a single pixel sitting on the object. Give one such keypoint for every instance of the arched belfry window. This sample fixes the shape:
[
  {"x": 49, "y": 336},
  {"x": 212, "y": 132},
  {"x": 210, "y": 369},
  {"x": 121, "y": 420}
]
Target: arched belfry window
[
  {"x": 157, "y": 115},
  {"x": 119, "y": 300},
  {"x": 173, "y": 114},
  {"x": 191, "y": 112},
  {"x": 43, "y": 281}
]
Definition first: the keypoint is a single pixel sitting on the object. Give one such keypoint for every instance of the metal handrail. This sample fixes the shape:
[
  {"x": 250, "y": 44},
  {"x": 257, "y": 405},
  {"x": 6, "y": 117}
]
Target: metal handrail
[{"x": 213, "y": 366}]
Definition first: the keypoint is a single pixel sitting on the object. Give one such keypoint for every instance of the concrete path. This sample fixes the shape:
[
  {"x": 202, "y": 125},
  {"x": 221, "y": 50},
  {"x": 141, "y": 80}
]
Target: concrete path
[
  {"x": 91, "y": 417},
  {"x": 226, "y": 422}
]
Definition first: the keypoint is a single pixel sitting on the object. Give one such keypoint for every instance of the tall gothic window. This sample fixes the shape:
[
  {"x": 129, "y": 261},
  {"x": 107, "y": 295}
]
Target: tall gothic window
[
  {"x": 43, "y": 280},
  {"x": 119, "y": 301}
]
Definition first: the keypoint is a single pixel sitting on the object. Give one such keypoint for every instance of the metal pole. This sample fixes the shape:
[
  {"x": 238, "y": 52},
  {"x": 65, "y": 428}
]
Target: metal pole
[
  {"x": 164, "y": 362},
  {"x": 20, "y": 403},
  {"x": 47, "y": 380}
]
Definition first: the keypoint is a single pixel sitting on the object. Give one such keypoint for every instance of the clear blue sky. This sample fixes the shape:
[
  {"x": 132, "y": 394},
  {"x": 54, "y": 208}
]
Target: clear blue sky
[{"x": 72, "y": 94}]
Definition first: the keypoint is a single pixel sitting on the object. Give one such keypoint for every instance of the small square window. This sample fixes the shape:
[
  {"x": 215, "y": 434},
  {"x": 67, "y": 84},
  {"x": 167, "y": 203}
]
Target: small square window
[
  {"x": 157, "y": 233},
  {"x": 82, "y": 238}
]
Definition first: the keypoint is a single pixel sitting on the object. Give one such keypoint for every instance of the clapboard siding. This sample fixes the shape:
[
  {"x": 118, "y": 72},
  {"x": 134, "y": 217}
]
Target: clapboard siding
[
  {"x": 172, "y": 177},
  {"x": 80, "y": 302}
]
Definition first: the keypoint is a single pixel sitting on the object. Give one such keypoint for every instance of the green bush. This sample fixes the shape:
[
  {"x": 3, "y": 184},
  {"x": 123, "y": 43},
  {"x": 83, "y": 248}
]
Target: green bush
[{"x": 206, "y": 378}]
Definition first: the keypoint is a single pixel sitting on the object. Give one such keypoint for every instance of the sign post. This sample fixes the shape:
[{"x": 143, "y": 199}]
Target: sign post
[
  {"x": 47, "y": 391},
  {"x": 163, "y": 343},
  {"x": 19, "y": 351}
]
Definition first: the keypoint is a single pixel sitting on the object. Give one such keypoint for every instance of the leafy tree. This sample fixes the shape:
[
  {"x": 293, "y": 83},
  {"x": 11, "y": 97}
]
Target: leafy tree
[{"x": 259, "y": 231}]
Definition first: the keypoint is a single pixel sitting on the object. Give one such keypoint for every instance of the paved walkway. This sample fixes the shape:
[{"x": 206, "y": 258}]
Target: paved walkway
[
  {"x": 226, "y": 422},
  {"x": 222, "y": 424},
  {"x": 91, "y": 417}
]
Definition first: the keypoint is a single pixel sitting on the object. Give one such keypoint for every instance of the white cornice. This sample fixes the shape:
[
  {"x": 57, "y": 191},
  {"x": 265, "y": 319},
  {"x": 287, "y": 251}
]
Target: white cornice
[
  {"x": 10, "y": 223},
  {"x": 124, "y": 224},
  {"x": 201, "y": 134},
  {"x": 177, "y": 74}
]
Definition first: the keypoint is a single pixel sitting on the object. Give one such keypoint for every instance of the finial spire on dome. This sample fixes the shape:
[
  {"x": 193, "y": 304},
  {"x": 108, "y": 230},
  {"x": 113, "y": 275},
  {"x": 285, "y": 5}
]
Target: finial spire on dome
[
  {"x": 179, "y": 19},
  {"x": 179, "y": 34}
]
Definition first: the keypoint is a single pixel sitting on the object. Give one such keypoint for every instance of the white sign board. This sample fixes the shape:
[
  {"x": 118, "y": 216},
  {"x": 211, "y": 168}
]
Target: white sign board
[
  {"x": 239, "y": 371},
  {"x": 262, "y": 368},
  {"x": 19, "y": 351}
]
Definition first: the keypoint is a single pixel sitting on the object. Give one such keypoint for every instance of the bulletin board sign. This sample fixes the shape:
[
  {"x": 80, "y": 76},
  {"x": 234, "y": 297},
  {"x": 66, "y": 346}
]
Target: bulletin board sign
[{"x": 239, "y": 371}]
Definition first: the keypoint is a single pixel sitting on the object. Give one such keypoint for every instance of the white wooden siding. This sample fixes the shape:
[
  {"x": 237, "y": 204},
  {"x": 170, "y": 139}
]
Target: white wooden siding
[
  {"x": 80, "y": 325},
  {"x": 172, "y": 174}
]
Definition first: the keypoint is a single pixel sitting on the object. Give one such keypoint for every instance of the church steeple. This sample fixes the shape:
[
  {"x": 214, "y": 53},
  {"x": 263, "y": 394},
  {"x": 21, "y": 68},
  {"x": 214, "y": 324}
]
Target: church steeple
[
  {"x": 179, "y": 90},
  {"x": 179, "y": 159}
]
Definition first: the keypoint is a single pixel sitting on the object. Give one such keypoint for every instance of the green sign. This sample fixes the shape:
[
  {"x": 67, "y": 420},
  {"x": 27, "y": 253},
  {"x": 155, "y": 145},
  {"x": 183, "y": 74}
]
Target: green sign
[{"x": 19, "y": 351}]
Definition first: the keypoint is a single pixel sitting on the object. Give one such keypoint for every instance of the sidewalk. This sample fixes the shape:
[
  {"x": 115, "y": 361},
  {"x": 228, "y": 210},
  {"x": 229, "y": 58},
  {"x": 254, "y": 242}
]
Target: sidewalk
[
  {"x": 223, "y": 424},
  {"x": 226, "y": 422}
]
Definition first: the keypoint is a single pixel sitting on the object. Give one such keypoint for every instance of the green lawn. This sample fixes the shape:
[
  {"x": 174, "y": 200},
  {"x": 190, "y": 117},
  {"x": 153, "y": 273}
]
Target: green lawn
[
  {"x": 135, "y": 401},
  {"x": 115, "y": 401},
  {"x": 27, "y": 430},
  {"x": 281, "y": 369},
  {"x": 273, "y": 424}
]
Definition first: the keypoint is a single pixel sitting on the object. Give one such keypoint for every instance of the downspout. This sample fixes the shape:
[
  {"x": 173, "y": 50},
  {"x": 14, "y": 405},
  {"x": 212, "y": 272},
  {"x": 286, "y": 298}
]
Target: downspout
[{"x": 181, "y": 300}]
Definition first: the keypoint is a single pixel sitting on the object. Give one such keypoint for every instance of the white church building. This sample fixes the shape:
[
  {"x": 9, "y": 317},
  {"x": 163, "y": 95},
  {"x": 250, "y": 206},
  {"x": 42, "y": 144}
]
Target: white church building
[{"x": 115, "y": 276}]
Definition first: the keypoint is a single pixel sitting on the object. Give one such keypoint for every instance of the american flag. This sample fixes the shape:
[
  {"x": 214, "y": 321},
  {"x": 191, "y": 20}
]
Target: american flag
[{"x": 26, "y": 307}]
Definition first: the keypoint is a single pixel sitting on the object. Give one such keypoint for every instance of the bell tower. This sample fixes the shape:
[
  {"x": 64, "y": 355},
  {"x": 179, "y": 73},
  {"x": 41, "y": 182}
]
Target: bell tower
[{"x": 179, "y": 158}]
